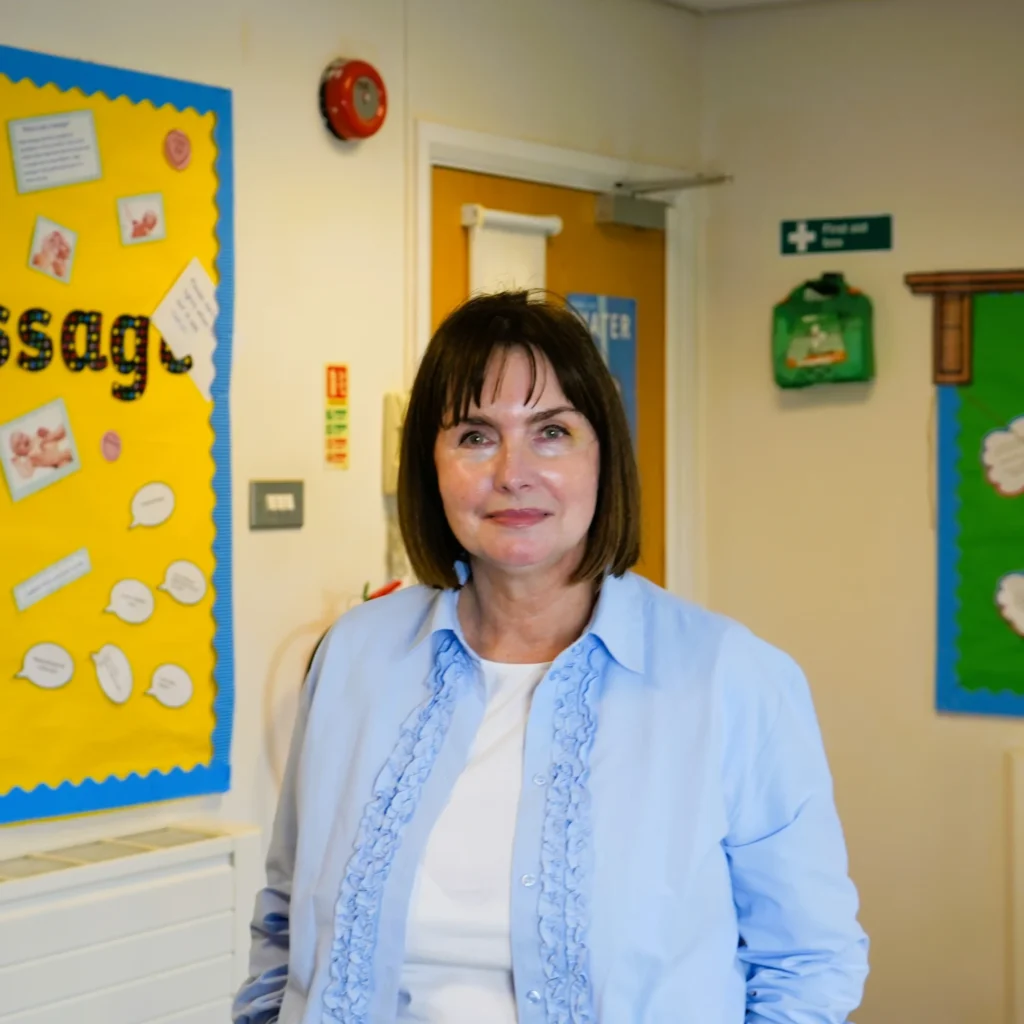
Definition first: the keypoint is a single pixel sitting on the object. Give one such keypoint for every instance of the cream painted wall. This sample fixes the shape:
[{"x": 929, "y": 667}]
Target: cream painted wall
[
  {"x": 614, "y": 77},
  {"x": 819, "y": 504},
  {"x": 324, "y": 246}
]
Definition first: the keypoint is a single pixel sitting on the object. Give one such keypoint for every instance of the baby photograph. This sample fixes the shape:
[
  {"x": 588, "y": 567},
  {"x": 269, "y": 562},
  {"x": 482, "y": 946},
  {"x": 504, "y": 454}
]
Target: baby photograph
[
  {"x": 53, "y": 250},
  {"x": 37, "y": 449},
  {"x": 141, "y": 219}
]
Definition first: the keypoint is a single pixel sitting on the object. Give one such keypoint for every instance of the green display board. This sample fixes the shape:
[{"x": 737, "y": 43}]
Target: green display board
[{"x": 981, "y": 520}]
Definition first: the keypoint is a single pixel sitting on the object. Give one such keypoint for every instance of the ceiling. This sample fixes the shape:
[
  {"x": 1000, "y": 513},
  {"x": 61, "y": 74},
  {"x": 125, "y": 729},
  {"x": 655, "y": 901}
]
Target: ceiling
[{"x": 709, "y": 6}]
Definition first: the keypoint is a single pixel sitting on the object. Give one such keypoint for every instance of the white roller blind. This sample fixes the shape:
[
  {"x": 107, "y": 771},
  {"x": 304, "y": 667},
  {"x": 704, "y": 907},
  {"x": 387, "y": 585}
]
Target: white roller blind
[{"x": 507, "y": 250}]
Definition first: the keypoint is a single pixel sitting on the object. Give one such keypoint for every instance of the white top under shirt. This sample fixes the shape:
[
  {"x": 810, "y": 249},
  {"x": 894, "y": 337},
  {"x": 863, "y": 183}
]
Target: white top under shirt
[{"x": 458, "y": 957}]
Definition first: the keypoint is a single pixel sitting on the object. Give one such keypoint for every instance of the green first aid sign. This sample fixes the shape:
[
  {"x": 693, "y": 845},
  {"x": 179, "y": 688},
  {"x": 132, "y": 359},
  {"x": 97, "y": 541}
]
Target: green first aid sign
[{"x": 836, "y": 234}]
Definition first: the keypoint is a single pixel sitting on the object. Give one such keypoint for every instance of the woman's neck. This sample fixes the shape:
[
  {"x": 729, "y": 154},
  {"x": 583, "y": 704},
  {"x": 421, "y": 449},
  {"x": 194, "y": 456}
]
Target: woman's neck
[{"x": 523, "y": 619}]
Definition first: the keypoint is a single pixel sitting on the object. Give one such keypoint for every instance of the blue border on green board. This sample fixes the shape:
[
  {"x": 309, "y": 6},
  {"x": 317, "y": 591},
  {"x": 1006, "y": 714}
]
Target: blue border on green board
[
  {"x": 949, "y": 694},
  {"x": 44, "y": 801}
]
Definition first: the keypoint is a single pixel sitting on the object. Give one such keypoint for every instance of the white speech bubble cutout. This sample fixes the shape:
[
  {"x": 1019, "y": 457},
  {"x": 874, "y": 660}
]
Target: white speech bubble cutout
[
  {"x": 113, "y": 672},
  {"x": 171, "y": 685},
  {"x": 1010, "y": 598},
  {"x": 152, "y": 505},
  {"x": 1003, "y": 455},
  {"x": 185, "y": 582},
  {"x": 49, "y": 666},
  {"x": 131, "y": 601}
]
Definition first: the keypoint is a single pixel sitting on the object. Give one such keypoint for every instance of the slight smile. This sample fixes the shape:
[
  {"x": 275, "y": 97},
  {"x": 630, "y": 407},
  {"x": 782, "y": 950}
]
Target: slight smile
[{"x": 518, "y": 517}]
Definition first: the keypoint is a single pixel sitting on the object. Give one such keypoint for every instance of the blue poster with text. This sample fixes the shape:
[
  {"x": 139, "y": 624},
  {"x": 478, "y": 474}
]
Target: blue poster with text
[{"x": 612, "y": 322}]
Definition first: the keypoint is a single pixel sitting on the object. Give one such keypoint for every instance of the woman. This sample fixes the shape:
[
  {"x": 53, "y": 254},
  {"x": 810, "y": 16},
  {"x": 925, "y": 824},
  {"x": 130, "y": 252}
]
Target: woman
[{"x": 538, "y": 787}]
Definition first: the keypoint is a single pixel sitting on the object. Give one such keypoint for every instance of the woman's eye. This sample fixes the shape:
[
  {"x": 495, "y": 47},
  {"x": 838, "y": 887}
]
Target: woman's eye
[
  {"x": 553, "y": 432},
  {"x": 472, "y": 438}
]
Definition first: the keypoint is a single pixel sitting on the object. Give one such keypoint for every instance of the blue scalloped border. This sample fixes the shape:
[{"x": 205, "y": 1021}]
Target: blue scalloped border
[
  {"x": 949, "y": 694},
  {"x": 44, "y": 802},
  {"x": 44, "y": 69}
]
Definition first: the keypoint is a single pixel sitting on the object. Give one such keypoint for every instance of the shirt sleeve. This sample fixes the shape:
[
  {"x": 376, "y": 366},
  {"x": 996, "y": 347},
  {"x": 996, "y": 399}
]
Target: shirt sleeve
[
  {"x": 806, "y": 954},
  {"x": 259, "y": 999}
]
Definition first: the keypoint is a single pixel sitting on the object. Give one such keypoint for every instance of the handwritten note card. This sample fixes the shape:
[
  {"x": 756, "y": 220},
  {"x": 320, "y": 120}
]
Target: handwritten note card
[{"x": 186, "y": 318}]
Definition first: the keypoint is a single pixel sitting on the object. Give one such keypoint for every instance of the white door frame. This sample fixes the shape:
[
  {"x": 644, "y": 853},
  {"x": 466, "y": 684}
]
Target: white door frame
[
  {"x": 441, "y": 146},
  {"x": 1015, "y": 772}
]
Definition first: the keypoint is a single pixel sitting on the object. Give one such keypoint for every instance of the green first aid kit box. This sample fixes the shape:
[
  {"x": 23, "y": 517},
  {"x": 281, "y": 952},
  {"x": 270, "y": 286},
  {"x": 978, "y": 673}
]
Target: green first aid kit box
[{"x": 822, "y": 334}]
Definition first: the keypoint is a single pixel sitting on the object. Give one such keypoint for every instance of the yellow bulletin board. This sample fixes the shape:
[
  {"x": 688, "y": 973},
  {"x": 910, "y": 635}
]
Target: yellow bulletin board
[{"x": 116, "y": 296}]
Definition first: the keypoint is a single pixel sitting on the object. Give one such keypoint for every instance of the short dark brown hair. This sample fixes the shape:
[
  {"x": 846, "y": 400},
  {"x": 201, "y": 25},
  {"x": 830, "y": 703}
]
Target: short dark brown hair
[{"x": 451, "y": 378}]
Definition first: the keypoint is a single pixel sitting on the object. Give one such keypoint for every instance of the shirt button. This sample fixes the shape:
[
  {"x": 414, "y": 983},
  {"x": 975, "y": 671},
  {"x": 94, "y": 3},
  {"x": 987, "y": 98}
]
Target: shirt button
[
  {"x": 539, "y": 780},
  {"x": 529, "y": 881},
  {"x": 533, "y": 996}
]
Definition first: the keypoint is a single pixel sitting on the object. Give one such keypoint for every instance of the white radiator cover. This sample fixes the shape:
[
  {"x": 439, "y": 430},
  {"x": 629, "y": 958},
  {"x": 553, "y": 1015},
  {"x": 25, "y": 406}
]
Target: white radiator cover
[{"x": 150, "y": 928}]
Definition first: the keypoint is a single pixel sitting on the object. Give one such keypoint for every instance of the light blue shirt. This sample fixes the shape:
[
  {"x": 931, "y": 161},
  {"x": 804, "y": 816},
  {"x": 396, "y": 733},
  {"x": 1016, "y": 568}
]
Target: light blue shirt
[{"x": 678, "y": 858}]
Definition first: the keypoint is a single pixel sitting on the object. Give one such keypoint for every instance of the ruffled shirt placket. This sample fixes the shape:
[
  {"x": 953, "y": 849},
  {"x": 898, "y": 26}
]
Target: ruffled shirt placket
[{"x": 565, "y": 862}]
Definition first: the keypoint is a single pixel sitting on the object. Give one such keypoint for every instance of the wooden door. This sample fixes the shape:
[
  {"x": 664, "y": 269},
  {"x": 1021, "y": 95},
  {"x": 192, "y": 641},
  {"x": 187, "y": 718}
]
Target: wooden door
[{"x": 601, "y": 259}]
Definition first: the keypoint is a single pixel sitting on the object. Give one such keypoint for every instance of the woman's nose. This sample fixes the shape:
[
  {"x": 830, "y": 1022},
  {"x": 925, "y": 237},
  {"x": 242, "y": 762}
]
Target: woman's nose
[{"x": 512, "y": 471}]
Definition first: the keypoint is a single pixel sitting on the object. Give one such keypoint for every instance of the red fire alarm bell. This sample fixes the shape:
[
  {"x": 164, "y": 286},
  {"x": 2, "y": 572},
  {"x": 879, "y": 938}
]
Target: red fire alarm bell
[{"x": 353, "y": 99}]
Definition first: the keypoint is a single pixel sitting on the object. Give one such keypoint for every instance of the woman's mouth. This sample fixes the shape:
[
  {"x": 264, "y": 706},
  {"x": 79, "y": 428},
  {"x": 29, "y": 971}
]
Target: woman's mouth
[{"x": 518, "y": 517}]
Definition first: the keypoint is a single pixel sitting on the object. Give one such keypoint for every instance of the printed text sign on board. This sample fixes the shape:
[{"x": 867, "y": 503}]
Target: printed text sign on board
[
  {"x": 612, "y": 322},
  {"x": 836, "y": 234},
  {"x": 54, "y": 150}
]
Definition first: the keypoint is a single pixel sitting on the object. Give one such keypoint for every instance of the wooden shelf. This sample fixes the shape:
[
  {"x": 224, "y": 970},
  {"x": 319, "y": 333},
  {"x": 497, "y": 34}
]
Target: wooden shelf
[{"x": 953, "y": 324}]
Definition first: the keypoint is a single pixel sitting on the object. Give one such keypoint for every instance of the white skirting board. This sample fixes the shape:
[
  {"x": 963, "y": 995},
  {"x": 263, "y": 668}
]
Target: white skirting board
[{"x": 149, "y": 928}]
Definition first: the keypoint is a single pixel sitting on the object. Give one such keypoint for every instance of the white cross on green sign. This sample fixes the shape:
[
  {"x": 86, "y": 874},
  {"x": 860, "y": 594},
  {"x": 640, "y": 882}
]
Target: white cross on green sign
[{"x": 836, "y": 234}]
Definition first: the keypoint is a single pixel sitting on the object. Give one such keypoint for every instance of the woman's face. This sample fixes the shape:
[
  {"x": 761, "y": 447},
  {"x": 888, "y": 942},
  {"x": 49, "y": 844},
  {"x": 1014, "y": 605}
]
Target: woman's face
[{"x": 518, "y": 477}]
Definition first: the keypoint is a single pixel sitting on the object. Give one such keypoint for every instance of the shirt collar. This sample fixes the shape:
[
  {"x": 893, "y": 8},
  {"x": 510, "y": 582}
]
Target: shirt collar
[
  {"x": 442, "y": 618},
  {"x": 618, "y": 620}
]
